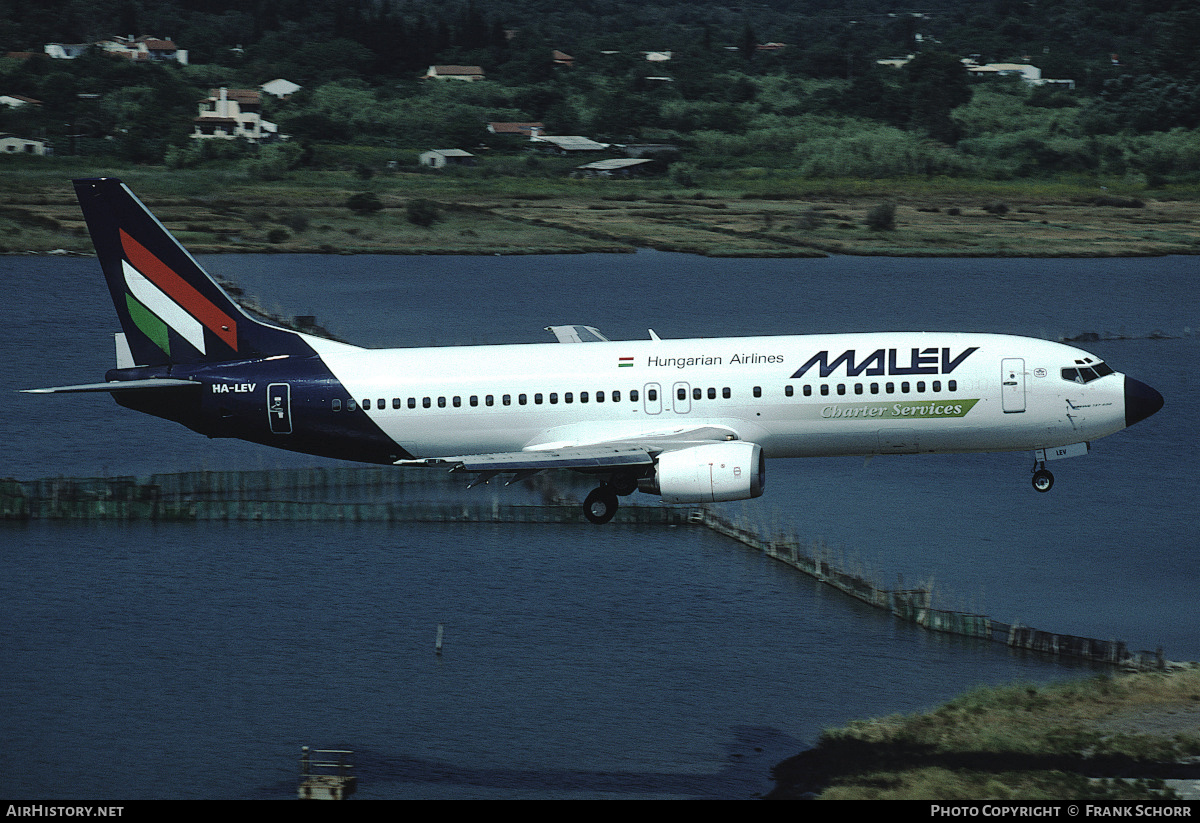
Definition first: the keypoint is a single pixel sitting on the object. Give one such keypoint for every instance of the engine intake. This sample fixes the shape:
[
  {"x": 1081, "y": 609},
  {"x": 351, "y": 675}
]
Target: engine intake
[{"x": 710, "y": 473}]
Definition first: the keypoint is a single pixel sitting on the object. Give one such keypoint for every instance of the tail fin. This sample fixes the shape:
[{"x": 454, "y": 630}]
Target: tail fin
[{"x": 170, "y": 309}]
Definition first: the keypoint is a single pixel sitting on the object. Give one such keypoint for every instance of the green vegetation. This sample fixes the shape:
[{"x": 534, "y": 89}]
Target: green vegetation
[
  {"x": 820, "y": 107},
  {"x": 808, "y": 148},
  {"x": 1110, "y": 738}
]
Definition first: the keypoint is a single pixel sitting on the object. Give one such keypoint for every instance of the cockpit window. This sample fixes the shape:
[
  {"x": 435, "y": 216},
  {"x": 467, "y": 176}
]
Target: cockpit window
[{"x": 1086, "y": 371}]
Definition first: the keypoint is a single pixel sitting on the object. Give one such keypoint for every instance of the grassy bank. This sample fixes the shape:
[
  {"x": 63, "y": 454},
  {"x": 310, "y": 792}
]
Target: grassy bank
[
  {"x": 219, "y": 209},
  {"x": 1123, "y": 737}
]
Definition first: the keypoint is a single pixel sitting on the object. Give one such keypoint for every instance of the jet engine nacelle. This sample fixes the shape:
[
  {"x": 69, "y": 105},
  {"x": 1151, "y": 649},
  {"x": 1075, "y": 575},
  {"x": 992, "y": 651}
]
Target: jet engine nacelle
[{"x": 708, "y": 474}]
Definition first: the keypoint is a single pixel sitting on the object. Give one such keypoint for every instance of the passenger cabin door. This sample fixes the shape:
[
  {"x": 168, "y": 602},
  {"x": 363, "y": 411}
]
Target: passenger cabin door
[
  {"x": 652, "y": 398},
  {"x": 683, "y": 400},
  {"x": 1012, "y": 385}
]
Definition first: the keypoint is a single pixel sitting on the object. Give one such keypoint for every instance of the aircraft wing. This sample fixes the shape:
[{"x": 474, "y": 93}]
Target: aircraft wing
[
  {"x": 117, "y": 385},
  {"x": 633, "y": 449},
  {"x": 574, "y": 458}
]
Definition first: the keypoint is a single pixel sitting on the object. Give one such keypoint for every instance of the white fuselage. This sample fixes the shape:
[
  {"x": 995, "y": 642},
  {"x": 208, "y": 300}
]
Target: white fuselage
[{"x": 796, "y": 396}]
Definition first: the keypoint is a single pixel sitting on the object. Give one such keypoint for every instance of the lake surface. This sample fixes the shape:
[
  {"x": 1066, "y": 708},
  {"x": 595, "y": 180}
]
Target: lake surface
[{"x": 193, "y": 660}]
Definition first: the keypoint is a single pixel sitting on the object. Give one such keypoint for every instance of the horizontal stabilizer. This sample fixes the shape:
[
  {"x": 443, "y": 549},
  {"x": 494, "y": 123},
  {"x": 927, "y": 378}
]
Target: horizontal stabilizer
[{"x": 117, "y": 385}]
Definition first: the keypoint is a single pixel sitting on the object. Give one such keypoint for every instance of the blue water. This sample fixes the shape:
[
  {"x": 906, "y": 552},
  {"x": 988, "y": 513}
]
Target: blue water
[{"x": 193, "y": 660}]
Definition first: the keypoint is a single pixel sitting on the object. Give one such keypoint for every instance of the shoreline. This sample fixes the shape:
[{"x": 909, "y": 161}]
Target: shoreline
[{"x": 310, "y": 216}]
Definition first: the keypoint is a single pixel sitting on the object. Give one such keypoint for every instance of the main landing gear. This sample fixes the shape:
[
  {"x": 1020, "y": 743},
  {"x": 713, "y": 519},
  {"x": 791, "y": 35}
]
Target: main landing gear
[{"x": 601, "y": 504}]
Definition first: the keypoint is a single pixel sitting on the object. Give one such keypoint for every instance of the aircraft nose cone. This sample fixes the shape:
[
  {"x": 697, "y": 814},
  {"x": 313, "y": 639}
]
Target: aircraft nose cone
[{"x": 1141, "y": 401}]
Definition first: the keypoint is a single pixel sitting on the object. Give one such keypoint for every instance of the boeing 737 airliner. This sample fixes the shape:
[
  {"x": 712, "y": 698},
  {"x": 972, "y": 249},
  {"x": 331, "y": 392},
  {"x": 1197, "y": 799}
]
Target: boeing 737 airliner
[{"x": 689, "y": 420}]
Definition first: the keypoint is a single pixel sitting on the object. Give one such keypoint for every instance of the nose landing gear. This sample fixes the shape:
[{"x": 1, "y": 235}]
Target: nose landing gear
[{"x": 1043, "y": 480}]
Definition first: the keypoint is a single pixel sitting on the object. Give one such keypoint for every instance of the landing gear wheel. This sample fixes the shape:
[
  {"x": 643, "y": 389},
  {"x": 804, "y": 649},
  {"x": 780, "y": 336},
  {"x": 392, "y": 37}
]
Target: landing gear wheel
[
  {"x": 601, "y": 505},
  {"x": 1043, "y": 480}
]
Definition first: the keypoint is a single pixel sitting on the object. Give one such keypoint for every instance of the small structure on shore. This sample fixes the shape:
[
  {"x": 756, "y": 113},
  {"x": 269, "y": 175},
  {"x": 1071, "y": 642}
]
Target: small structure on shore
[{"x": 326, "y": 779}]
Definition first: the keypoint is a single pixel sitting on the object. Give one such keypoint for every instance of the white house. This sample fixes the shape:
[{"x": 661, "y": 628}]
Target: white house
[
  {"x": 440, "y": 158},
  {"x": 463, "y": 73},
  {"x": 16, "y": 101},
  {"x": 568, "y": 144},
  {"x": 280, "y": 88},
  {"x": 144, "y": 49},
  {"x": 11, "y": 144},
  {"x": 231, "y": 113}
]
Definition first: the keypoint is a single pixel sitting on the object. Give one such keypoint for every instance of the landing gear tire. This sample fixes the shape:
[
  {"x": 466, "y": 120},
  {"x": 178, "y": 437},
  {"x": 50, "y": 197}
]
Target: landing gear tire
[
  {"x": 1043, "y": 480},
  {"x": 601, "y": 505}
]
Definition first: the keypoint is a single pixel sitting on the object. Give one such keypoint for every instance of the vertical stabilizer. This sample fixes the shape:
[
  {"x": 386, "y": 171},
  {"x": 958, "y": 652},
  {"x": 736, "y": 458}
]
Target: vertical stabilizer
[{"x": 171, "y": 310}]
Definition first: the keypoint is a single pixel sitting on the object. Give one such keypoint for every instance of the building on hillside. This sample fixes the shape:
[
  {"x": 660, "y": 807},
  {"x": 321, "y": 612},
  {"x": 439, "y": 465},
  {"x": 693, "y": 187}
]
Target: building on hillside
[
  {"x": 16, "y": 101},
  {"x": 144, "y": 49},
  {"x": 440, "y": 158},
  {"x": 11, "y": 144},
  {"x": 464, "y": 73},
  {"x": 66, "y": 51},
  {"x": 147, "y": 49},
  {"x": 517, "y": 129},
  {"x": 283, "y": 89},
  {"x": 619, "y": 167},
  {"x": 232, "y": 113},
  {"x": 568, "y": 145}
]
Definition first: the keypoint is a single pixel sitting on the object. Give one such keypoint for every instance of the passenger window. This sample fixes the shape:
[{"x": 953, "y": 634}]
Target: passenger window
[
  {"x": 583, "y": 397},
  {"x": 489, "y": 400},
  {"x": 568, "y": 397},
  {"x": 337, "y": 404},
  {"x": 537, "y": 399},
  {"x": 616, "y": 398},
  {"x": 890, "y": 388},
  {"x": 841, "y": 389},
  {"x": 350, "y": 404},
  {"x": 789, "y": 390},
  {"x": 920, "y": 387},
  {"x": 651, "y": 395},
  {"x": 441, "y": 402},
  {"x": 808, "y": 391},
  {"x": 521, "y": 399},
  {"x": 725, "y": 393},
  {"x": 952, "y": 385},
  {"x": 937, "y": 385},
  {"x": 553, "y": 397},
  {"x": 425, "y": 402},
  {"x": 824, "y": 389},
  {"x": 366, "y": 404},
  {"x": 712, "y": 393},
  {"x": 507, "y": 400},
  {"x": 412, "y": 402},
  {"x": 474, "y": 400},
  {"x": 633, "y": 396},
  {"x": 457, "y": 401},
  {"x": 681, "y": 393},
  {"x": 904, "y": 387},
  {"x": 600, "y": 397},
  {"x": 758, "y": 391},
  {"x": 858, "y": 388}
]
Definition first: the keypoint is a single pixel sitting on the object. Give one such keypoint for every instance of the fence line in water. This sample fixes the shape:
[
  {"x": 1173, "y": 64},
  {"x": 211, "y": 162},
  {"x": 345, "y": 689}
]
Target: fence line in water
[{"x": 367, "y": 494}]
